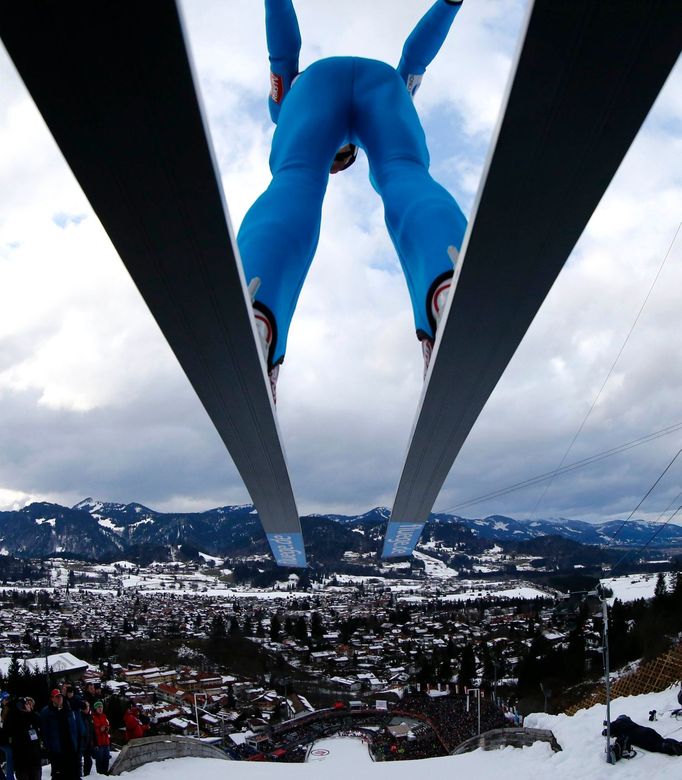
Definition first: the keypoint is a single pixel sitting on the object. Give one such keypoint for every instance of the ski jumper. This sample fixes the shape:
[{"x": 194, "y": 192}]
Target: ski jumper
[{"x": 334, "y": 102}]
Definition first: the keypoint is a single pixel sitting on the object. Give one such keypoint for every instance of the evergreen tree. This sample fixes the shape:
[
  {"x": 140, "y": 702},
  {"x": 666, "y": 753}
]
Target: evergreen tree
[
  {"x": 348, "y": 628},
  {"x": 620, "y": 638},
  {"x": 316, "y": 627},
  {"x": 301, "y": 630},
  {"x": 445, "y": 671},
  {"x": 467, "y": 667},
  {"x": 540, "y": 662},
  {"x": 217, "y": 631},
  {"x": 488, "y": 674},
  {"x": 15, "y": 675},
  {"x": 304, "y": 581},
  {"x": 275, "y": 628},
  {"x": 98, "y": 648},
  {"x": 677, "y": 586},
  {"x": 426, "y": 674},
  {"x": 661, "y": 589},
  {"x": 573, "y": 666}
]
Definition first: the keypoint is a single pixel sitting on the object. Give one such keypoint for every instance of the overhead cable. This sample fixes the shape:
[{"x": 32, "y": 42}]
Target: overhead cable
[
  {"x": 608, "y": 376},
  {"x": 653, "y": 536},
  {"x": 644, "y": 498},
  {"x": 567, "y": 469}
]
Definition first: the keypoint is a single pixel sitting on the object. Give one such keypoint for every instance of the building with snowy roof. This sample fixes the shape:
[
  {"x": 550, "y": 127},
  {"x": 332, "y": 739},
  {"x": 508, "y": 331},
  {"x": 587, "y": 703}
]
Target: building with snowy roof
[{"x": 63, "y": 664}]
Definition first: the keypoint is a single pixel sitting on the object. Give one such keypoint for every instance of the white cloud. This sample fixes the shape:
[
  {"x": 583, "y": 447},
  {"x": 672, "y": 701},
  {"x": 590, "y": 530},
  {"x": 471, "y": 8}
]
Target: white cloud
[
  {"x": 16, "y": 499},
  {"x": 93, "y": 403}
]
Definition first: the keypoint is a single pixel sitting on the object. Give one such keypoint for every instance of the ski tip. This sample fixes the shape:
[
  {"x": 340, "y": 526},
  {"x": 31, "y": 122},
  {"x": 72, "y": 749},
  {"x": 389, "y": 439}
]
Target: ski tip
[
  {"x": 401, "y": 539},
  {"x": 288, "y": 549}
]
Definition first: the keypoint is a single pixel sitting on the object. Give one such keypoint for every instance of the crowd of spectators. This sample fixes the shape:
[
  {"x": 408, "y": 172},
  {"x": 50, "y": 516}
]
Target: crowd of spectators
[
  {"x": 449, "y": 718},
  {"x": 71, "y": 732},
  {"x": 422, "y": 742},
  {"x": 437, "y": 725}
]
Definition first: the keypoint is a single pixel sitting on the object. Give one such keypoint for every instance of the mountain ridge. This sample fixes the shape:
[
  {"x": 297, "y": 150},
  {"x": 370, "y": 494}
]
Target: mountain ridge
[{"x": 99, "y": 530}]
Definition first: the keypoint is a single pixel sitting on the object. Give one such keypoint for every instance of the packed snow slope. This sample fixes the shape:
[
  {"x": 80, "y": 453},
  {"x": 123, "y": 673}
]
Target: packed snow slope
[{"x": 582, "y": 757}]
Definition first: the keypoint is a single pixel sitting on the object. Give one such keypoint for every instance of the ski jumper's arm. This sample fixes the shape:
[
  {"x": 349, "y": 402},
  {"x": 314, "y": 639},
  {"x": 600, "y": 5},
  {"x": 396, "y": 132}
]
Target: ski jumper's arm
[
  {"x": 284, "y": 46},
  {"x": 425, "y": 41}
]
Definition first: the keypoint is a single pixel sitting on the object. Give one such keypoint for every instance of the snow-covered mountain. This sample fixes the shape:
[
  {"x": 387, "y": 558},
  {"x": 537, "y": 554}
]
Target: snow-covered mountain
[{"x": 101, "y": 530}]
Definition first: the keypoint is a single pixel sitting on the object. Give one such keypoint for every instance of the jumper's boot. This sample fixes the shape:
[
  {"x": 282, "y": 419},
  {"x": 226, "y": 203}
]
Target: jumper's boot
[
  {"x": 266, "y": 329},
  {"x": 439, "y": 299}
]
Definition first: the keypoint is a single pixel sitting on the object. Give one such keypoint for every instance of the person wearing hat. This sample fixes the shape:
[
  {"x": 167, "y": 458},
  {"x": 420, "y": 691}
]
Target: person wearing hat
[
  {"x": 102, "y": 731},
  {"x": 71, "y": 697},
  {"x": 23, "y": 730},
  {"x": 60, "y": 736},
  {"x": 87, "y": 736},
  {"x": 135, "y": 729},
  {"x": 89, "y": 694}
]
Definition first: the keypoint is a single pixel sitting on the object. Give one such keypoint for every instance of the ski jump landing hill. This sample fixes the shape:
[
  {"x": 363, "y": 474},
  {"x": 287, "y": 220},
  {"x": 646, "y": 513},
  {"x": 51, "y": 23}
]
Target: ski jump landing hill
[
  {"x": 349, "y": 748},
  {"x": 330, "y": 722}
]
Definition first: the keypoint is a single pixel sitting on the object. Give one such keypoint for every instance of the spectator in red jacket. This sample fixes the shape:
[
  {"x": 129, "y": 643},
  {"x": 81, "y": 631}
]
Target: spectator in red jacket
[
  {"x": 134, "y": 728},
  {"x": 102, "y": 731}
]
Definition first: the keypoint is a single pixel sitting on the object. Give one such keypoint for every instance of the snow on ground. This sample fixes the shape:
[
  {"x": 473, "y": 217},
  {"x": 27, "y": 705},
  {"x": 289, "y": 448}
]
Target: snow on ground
[
  {"x": 483, "y": 569},
  {"x": 435, "y": 567},
  {"x": 582, "y": 756},
  {"x": 125, "y": 565},
  {"x": 521, "y": 592},
  {"x": 350, "y": 751},
  {"x": 105, "y": 522},
  {"x": 634, "y": 586},
  {"x": 474, "y": 592},
  {"x": 206, "y": 557},
  {"x": 159, "y": 578}
]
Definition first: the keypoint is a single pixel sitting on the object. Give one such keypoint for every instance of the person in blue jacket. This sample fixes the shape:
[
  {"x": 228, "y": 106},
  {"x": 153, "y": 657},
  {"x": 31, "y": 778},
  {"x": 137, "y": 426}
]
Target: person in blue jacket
[
  {"x": 61, "y": 737},
  {"x": 324, "y": 115}
]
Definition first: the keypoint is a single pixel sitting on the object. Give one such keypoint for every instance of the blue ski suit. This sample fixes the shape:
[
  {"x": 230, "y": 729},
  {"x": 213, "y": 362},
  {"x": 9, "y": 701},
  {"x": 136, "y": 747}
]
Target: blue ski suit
[{"x": 334, "y": 102}]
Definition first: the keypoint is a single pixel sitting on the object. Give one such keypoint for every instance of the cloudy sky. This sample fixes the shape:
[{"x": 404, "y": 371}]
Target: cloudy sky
[{"x": 92, "y": 402}]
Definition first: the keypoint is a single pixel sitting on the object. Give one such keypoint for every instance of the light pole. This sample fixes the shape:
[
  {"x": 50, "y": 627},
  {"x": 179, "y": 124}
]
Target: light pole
[
  {"x": 196, "y": 711},
  {"x": 46, "y": 651},
  {"x": 610, "y": 758},
  {"x": 477, "y": 692},
  {"x": 285, "y": 680}
]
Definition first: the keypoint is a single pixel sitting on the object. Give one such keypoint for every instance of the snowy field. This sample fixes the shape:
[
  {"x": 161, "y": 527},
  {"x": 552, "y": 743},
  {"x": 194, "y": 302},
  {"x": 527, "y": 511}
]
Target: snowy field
[
  {"x": 442, "y": 582},
  {"x": 163, "y": 579},
  {"x": 580, "y": 759},
  {"x": 346, "y": 751},
  {"x": 435, "y": 567},
  {"x": 498, "y": 591},
  {"x": 522, "y": 592},
  {"x": 634, "y": 586}
]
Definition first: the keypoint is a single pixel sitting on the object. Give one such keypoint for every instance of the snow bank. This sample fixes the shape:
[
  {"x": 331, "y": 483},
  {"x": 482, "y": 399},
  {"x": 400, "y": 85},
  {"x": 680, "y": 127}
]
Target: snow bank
[{"x": 582, "y": 757}]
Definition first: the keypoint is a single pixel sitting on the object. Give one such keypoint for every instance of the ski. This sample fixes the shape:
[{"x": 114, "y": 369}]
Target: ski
[
  {"x": 584, "y": 80},
  {"x": 115, "y": 85}
]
